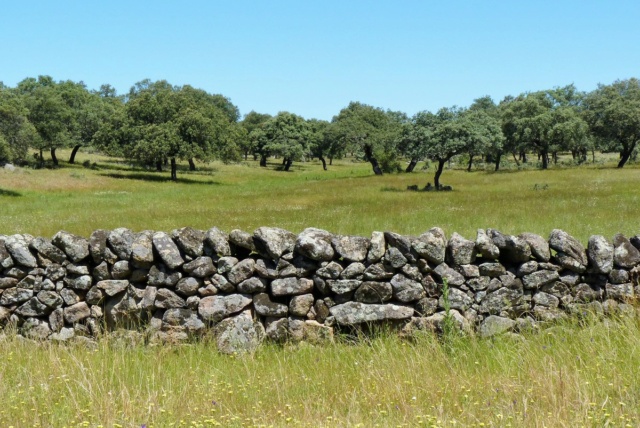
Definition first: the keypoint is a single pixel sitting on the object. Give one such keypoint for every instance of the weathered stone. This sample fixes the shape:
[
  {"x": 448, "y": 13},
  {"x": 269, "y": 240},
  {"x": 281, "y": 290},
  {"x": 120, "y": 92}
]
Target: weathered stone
[
  {"x": 458, "y": 300},
  {"x": 485, "y": 246},
  {"x": 265, "y": 307},
  {"x": 616, "y": 276},
  {"x": 516, "y": 249},
  {"x": 47, "y": 249},
  {"x": 201, "y": 267},
  {"x": 98, "y": 247},
  {"x": 499, "y": 300},
  {"x": 492, "y": 270},
  {"x": 242, "y": 270},
  {"x": 620, "y": 292},
  {"x": 100, "y": 272},
  {"x": 8, "y": 282},
  {"x": 148, "y": 298},
  {"x": 480, "y": 283},
  {"x": 330, "y": 271},
  {"x": 351, "y": 248},
  {"x": 216, "y": 308},
  {"x": 355, "y": 313},
  {"x": 394, "y": 258},
  {"x": 266, "y": 269},
  {"x": 557, "y": 289},
  {"x": 562, "y": 242},
  {"x": 353, "y": 271},
  {"x": 20, "y": 251},
  {"x": 570, "y": 278},
  {"x": 309, "y": 331},
  {"x": 374, "y": 292},
  {"x": 377, "y": 247},
  {"x": 600, "y": 254},
  {"x": 69, "y": 296},
  {"x": 12, "y": 296},
  {"x": 217, "y": 243},
  {"x": 426, "y": 306},
  {"x": 277, "y": 329},
  {"x": 33, "y": 308},
  {"x": 242, "y": 239},
  {"x": 539, "y": 278},
  {"x": 160, "y": 277},
  {"x": 252, "y": 285},
  {"x": 567, "y": 262},
  {"x": 30, "y": 282},
  {"x": 75, "y": 247},
  {"x": 402, "y": 243},
  {"x": 166, "y": 299},
  {"x": 5, "y": 258},
  {"x": 411, "y": 272},
  {"x": 406, "y": 290},
  {"x": 50, "y": 299},
  {"x": 545, "y": 299},
  {"x": 301, "y": 305},
  {"x": 77, "y": 312},
  {"x": 494, "y": 325},
  {"x": 184, "y": 318},
  {"x": 546, "y": 314},
  {"x": 527, "y": 268},
  {"x": 83, "y": 282},
  {"x": 121, "y": 270},
  {"x": 77, "y": 270},
  {"x": 122, "y": 310},
  {"x": 120, "y": 241},
  {"x": 447, "y": 274},
  {"x": 16, "y": 272},
  {"x": 94, "y": 296},
  {"x": 113, "y": 287},
  {"x": 167, "y": 250},
  {"x": 436, "y": 322},
  {"x": 35, "y": 329},
  {"x": 190, "y": 241},
  {"x": 65, "y": 334},
  {"x": 193, "y": 302},
  {"x": 142, "y": 250},
  {"x": 431, "y": 245},
  {"x": 538, "y": 245},
  {"x": 226, "y": 263},
  {"x": 221, "y": 283},
  {"x": 291, "y": 286},
  {"x": 343, "y": 286},
  {"x": 460, "y": 251},
  {"x": 238, "y": 334},
  {"x": 625, "y": 255},
  {"x": 469, "y": 271},
  {"x": 273, "y": 242}
]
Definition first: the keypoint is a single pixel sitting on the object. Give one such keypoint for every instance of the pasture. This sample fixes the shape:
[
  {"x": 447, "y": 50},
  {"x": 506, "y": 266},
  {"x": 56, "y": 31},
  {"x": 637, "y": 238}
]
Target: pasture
[{"x": 581, "y": 373}]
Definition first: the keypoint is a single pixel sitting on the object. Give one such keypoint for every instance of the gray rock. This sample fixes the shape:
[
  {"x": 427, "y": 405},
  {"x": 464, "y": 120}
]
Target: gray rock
[
  {"x": 460, "y": 251},
  {"x": 159, "y": 277},
  {"x": 226, "y": 263},
  {"x": 330, "y": 271},
  {"x": 494, "y": 325},
  {"x": 201, "y": 267},
  {"x": 190, "y": 241},
  {"x": 64, "y": 335},
  {"x": 562, "y": 242},
  {"x": 620, "y": 292},
  {"x": 242, "y": 239},
  {"x": 273, "y": 242},
  {"x": 567, "y": 262},
  {"x": 557, "y": 289},
  {"x": 485, "y": 246},
  {"x": 193, "y": 302},
  {"x": 56, "y": 319},
  {"x": 50, "y": 299},
  {"x": 351, "y": 248},
  {"x": 215, "y": 308},
  {"x": 402, "y": 243},
  {"x": 76, "y": 269},
  {"x": 69, "y": 296},
  {"x": 527, "y": 268},
  {"x": 94, "y": 296},
  {"x": 120, "y": 241},
  {"x": 217, "y": 242},
  {"x": 394, "y": 258},
  {"x": 545, "y": 299},
  {"x": 377, "y": 272},
  {"x": 625, "y": 255},
  {"x": 122, "y": 310},
  {"x": 374, "y": 292},
  {"x": 342, "y": 286},
  {"x": 98, "y": 247},
  {"x": 113, "y": 287},
  {"x": 121, "y": 270},
  {"x": 20, "y": 251},
  {"x": 252, "y": 285},
  {"x": 469, "y": 271},
  {"x": 83, "y": 282},
  {"x": 353, "y": 271},
  {"x": 570, "y": 278},
  {"x": 600, "y": 254},
  {"x": 167, "y": 250},
  {"x": 30, "y": 282},
  {"x": 480, "y": 283},
  {"x": 377, "y": 247},
  {"x": 452, "y": 277},
  {"x": 499, "y": 300},
  {"x": 291, "y": 286},
  {"x": 166, "y": 299},
  {"x": 48, "y": 250},
  {"x": 265, "y": 307},
  {"x": 546, "y": 314},
  {"x": 617, "y": 276},
  {"x": 431, "y": 245},
  {"x": 266, "y": 269},
  {"x": 538, "y": 245},
  {"x": 492, "y": 270},
  {"x": 35, "y": 329},
  {"x": 33, "y": 308},
  {"x": 516, "y": 249},
  {"x": 12, "y": 296},
  {"x": 539, "y": 278},
  {"x": 309, "y": 331},
  {"x": 148, "y": 298},
  {"x": 8, "y": 283},
  {"x": 185, "y": 318},
  {"x": 6, "y": 261},
  {"x": 436, "y": 322},
  {"x": 77, "y": 312},
  {"x": 100, "y": 272},
  {"x": 427, "y": 306},
  {"x": 277, "y": 329},
  {"x": 242, "y": 270},
  {"x": 458, "y": 300},
  {"x": 238, "y": 334},
  {"x": 406, "y": 290},
  {"x": 355, "y": 313},
  {"x": 142, "y": 250},
  {"x": 75, "y": 247},
  {"x": 221, "y": 283}
]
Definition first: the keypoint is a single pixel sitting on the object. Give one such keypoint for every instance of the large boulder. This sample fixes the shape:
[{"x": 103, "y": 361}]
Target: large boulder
[
  {"x": 167, "y": 250},
  {"x": 355, "y": 313},
  {"x": 273, "y": 242},
  {"x": 600, "y": 254},
  {"x": 183, "y": 318},
  {"x": 75, "y": 247},
  {"x": 351, "y": 248},
  {"x": 238, "y": 334},
  {"x": 315, "y": 244}
]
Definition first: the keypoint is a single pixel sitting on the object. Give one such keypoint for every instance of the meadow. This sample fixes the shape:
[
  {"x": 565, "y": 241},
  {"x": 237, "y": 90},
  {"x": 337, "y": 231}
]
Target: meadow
[{"x": 579, "y": 373}]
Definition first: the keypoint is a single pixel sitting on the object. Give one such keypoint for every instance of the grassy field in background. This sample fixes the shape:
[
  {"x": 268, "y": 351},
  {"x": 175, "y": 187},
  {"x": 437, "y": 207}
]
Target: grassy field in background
[
  {"x": 346, "y": 199},
  {"x": 569, "y": 376}
]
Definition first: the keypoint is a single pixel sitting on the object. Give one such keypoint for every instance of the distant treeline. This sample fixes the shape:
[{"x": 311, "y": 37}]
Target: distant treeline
[{"x": 157, "y": 123}]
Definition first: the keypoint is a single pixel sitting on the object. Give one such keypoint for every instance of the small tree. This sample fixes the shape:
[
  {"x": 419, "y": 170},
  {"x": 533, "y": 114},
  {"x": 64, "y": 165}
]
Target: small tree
[{"x": 286, "y": 135}]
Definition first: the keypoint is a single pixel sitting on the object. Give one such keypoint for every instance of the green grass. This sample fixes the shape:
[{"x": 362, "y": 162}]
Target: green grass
[{"x": 572, "y": 375}]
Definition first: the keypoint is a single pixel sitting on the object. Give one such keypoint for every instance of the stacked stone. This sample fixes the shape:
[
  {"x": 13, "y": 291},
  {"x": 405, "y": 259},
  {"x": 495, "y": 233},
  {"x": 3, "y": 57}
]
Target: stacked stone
[{"x": 274, "y": 284}]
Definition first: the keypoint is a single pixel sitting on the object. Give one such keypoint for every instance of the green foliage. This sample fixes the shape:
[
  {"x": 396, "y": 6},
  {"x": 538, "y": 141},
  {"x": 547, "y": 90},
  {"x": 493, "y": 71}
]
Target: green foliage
[{"x": 286, "y": 135}]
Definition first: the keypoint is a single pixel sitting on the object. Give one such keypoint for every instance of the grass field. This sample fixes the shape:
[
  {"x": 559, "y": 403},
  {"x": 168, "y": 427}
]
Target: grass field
[{"x": 570, "y": 376}]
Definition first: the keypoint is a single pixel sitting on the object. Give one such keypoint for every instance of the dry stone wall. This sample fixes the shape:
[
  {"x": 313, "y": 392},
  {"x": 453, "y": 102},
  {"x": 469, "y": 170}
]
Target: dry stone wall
[{"x": 272, "y": 284}]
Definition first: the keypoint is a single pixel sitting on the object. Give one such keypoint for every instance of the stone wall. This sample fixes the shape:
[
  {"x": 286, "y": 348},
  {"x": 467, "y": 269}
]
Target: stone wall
[{"x": 274, "y": 285}]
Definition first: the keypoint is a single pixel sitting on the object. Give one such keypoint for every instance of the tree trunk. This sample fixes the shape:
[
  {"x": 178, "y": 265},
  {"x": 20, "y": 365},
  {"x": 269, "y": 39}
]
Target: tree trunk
[
  {"x": 330, "y": 161},
  {"x": 324, "y": 163},
  {"x": 263, "y": 160},
  {"x": 192, "y": 165},
  {"x": 498, "y": 156},
  {"x": 368, "y": 154},
  {"x": 284, "y": 161},
  {"x": 166, "y": 161},
  {"x": 159, "y": 166},
  {"x": 72, "y": 158},
  {"x": 515, "y": 158},
  {"x": 287, "y": 164},
  {"x": 411, "y": 165},
  {"x": 41, "y": 160},
  {"x": 545, "y": 159},
  {"x": 54, "y": 158},
  {"x": 593, "y": 156},
  {"x": 436, "y": 178},
  {"x": 524, "y": 157},
  {"x": 174, "y": 174},
  {"x": 624, "y": 157},
  {"x": 554, "y": 155},
  {"x": 470, "y": 163}
]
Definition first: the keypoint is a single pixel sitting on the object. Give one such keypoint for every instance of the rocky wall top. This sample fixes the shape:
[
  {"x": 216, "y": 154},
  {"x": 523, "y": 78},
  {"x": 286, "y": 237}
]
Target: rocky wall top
[{"x": 244, "y": 287}]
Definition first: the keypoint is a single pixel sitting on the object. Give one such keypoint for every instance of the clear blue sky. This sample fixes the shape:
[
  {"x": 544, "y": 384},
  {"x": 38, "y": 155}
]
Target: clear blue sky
[{"x": 313, "y": 57}]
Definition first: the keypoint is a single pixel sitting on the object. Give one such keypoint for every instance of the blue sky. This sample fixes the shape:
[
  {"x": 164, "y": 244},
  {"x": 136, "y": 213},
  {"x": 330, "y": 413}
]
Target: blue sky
[{"x": 314, "y": 57}]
